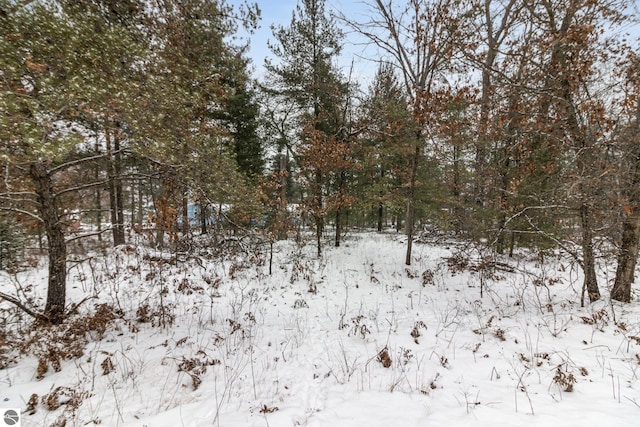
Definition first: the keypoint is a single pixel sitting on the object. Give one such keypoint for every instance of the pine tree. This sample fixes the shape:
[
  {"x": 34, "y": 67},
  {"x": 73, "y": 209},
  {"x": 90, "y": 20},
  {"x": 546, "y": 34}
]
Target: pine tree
[
  {"x": 306, "y": 78},
  {"x": 195, "y": 80},
  {"x": 50, "y": 86},
  {"x": 385, "y": 145}
]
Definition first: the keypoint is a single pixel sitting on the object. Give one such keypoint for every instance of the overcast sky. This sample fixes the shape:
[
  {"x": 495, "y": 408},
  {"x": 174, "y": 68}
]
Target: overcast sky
[{"x": 278, "y": 12}]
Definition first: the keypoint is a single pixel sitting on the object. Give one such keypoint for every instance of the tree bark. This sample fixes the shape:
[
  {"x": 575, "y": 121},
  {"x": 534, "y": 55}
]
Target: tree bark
[
  {"x": 57, "y": 247},
  {"x": 627, "y": 259},
  {"x": 203, "y": 217},
  {"x": 117, "y": 164},
  {"x": 284, "y": 217},
  {"x": 338, "y": 226},
  {"x": 318, "y": 214},
  {"x": 98, "y": 209},
  {"x": 380, "y": 210},
  {"x": 118, "y": 237},
  {"x": 494, "y": 39},
  {"x": 411, "y": 199},
  {"x": 185, "y": 212},
  {"x": 628, "y": 256},
  {"x": 341, "y": 189},
  {"x": 590, "y": 278}
]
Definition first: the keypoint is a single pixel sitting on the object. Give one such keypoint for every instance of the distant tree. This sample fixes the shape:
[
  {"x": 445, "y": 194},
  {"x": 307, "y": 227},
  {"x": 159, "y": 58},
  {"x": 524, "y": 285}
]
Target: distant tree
[
  {"x": 306, "y": 78},
  {"x": 241, "y": 109},
  {"x": 420, "y": 38},
  {"x": 498, "y": 21},
  {"x": 197, "y": 82},
  {"x": 113, "y": 30},
  {"x": 384, "y": 145}
]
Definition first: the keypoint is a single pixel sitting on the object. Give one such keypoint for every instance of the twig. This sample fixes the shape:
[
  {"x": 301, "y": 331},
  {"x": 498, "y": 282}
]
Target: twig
[
  {"x": 13, "y": 300},
  {"x": 74, "y": 308},
  {"x": 632, "y": 401}
]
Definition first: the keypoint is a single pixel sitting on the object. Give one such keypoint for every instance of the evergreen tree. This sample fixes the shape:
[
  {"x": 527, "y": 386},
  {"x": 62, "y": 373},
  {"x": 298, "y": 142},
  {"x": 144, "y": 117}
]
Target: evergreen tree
[
  {"x": 193, "y": 77},
  {"x": 50, "y": 84},
  {"x": 306, "y": 78},
  {"x": 384, "y": 146}
]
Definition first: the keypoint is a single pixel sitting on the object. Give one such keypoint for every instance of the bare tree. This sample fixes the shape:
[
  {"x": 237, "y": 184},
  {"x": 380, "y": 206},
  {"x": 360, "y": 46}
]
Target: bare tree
[{"x": 419, "y": 39}]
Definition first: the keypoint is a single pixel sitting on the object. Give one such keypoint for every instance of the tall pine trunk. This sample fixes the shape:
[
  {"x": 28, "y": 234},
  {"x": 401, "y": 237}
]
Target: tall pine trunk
[
  {"x": 117, "y": 164},
  {"x": 588, "y": 257},
  {"x": 115, "y": 190},
  {"x": 410, "y": 219},
  {"x": 283, "y": 214},
  {"x": 204, "y": 214},
  {"x": 341, "y": 190},
  {"x": 57, "y": 247},
  {"x": 380, "y": 205}
]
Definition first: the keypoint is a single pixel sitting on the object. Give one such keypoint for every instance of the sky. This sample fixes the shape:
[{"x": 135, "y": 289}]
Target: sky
[{"x": 278, "y": 13}]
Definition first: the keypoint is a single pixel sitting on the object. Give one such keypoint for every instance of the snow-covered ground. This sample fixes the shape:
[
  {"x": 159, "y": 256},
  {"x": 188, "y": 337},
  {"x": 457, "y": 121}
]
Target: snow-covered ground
[{"x": 355, "y": 338}]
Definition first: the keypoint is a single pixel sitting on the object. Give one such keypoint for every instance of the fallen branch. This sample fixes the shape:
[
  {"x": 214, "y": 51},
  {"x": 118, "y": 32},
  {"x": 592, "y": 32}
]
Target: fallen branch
[{"x": 15, "y": 301}]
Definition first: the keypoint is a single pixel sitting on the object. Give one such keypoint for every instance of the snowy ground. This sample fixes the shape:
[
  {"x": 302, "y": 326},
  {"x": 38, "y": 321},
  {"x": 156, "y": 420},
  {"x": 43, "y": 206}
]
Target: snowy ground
[{"x": 353, "y": 339}]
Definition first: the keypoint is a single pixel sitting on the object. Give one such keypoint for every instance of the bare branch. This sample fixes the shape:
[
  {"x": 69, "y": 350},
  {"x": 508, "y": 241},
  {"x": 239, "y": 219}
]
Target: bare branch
[
  {"x": 81, "y": 187},
  {"x": 21, "y": 211},
  {"x": 15, "y": 301},
  {"x": 83, "y": 235},
  {"x": 78, "y": 162}
]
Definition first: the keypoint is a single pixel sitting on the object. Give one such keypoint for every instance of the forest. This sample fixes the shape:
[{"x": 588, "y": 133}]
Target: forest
[{"x": 498, "y": 127}]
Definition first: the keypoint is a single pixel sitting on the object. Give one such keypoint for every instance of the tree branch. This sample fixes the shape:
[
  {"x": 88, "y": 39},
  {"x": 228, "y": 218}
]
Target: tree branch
[
  {"x": 15, "y": 301},
  {"x": 23, "y": 212}
]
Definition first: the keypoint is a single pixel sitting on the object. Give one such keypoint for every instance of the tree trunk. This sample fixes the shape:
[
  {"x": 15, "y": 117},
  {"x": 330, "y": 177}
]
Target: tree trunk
[
  {"x": 338, "y": 226},
  {"x": 319, "y": 236},
  {"x": 318, "y": 214},
  {"x": 57, "y": 247},
  {"x": 98, "y": 209},
  {"x": 628, "y": 255},
  {"x": 140, "y": 219},
  {"x": 118, "y": 238},
  {"x": 132, "y": 204},
  {"x": 119, "y": 196},
  {"x": 283, "y": 214},
  {"x": 480, "y": 184},
  {"x": 185, "y": 212},
  {"x": 411, "y": 200},
  {"x": 203, "y": 217},
  {"x": 627, "y": 258},
  {"x": 341, "y": 186},
  {"x": 380, "y": 204},
  {"x": 590, "y": 278}
]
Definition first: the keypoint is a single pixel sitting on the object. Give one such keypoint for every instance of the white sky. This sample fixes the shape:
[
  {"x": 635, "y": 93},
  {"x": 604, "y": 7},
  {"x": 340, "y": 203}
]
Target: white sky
[{"x": 278, "y": 12}]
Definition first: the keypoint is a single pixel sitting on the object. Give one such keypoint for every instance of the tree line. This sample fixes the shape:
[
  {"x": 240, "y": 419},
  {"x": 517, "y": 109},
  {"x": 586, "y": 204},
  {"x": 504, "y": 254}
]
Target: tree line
[{"x": 509, "y": 123}]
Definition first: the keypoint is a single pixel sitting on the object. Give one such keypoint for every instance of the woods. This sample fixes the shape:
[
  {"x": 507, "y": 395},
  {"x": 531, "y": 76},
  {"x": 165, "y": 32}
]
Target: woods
[{"x": 509, "y": 124}]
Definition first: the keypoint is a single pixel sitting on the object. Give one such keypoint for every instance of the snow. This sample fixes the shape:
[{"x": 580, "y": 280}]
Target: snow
[{"x": 265, "y": 351}]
